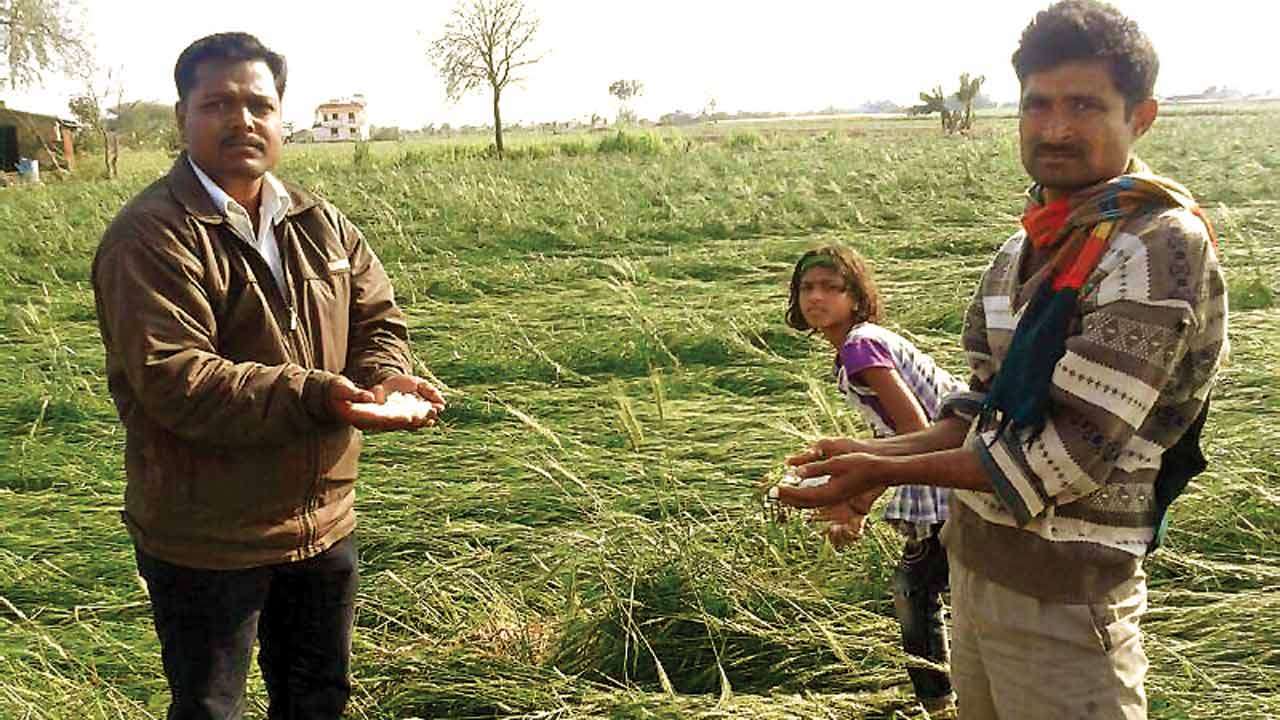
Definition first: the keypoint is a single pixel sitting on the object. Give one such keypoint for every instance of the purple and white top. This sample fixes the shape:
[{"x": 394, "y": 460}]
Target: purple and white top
[{"x": 868, "y": 346}]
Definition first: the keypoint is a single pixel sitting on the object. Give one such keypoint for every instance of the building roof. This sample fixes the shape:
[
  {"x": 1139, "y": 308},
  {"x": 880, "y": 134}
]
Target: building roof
[
  {"x": 6, "y": 110},
  {"x": 358, "y": 102}
]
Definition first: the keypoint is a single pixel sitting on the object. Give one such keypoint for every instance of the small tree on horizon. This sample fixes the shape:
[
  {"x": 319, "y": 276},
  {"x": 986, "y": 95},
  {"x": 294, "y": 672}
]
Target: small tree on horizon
[
  {"x": 483, "y": 44},
  {"x": 956, "y": 109},
  {"x": 970, "y": 88},
  {"x": 709, "y": 110},
  {"x": 625, "y": 91},
  {"x": 935, "y": 101}
]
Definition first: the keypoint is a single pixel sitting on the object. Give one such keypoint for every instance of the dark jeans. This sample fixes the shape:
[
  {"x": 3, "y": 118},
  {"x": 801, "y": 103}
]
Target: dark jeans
[
  {"x": 301, "y": 612},
  {"x": 918, "y": 584}
]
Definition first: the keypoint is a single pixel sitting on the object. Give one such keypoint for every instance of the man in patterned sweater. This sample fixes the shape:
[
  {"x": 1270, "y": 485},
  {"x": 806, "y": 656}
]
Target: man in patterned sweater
[{"x": 1093, "y": 340}]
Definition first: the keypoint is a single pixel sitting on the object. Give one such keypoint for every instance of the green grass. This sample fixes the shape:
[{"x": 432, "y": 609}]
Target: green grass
[{"x": 579, "y": 538}]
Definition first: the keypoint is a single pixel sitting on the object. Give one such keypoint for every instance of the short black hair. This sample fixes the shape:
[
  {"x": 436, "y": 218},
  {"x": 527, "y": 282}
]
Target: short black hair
[
  {"x": 226, "y": 47},
  {"x": 858, "y": 282},
  {"x": 1090, "y": 30}
]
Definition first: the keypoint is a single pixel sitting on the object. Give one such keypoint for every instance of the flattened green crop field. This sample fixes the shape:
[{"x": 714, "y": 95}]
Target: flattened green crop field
[{"x": 579, "y": 538}]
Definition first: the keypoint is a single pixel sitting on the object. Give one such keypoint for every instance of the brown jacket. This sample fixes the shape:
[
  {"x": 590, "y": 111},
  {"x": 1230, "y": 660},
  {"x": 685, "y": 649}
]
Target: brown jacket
[{"x": 221, "y": 379}]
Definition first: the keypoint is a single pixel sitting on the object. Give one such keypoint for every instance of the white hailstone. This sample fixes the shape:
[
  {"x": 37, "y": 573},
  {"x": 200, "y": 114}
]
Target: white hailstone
[
  {"x": 791, "y": 479},
  {"x": 397, "y": 405}
]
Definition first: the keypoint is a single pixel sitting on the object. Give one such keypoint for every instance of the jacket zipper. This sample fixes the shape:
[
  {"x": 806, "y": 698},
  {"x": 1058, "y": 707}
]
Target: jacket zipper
[
  {"x": 312, "y": 463},
  {"x": 284, "y": 297},
  {"x": 284, "y": 241}
]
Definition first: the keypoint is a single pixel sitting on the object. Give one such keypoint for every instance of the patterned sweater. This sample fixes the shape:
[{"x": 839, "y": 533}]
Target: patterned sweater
[{"x": 1073, "y": 508}]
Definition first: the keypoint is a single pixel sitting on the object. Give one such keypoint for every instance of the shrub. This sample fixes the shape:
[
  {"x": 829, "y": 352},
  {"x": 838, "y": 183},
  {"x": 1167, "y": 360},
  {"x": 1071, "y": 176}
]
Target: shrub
[
  {"x": 746, "y": 140},
  {"x": 632, "y": 143},
  {"x": 360, "y": 156}
]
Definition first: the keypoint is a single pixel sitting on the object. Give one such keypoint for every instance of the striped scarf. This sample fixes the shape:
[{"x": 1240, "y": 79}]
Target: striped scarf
[{"x": 1080, "y": 226}]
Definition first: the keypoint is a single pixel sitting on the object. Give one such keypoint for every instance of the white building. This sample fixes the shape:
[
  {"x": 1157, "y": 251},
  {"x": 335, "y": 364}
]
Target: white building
[{"x": 342, "y": 120}]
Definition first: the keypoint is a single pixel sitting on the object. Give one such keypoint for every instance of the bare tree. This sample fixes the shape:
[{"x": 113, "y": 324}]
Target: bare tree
[
  {"x": 35, "y": 36},
  {"x": 485, "y": 43},
  {"x": 936, "y": 102},
  {"x": 625, "y": 91},
  {"x": 90, "y": 108},
  {"x": 957, "y": 109},
  {"x": 709, "y": 110},
  {"x": 968, "y": 92}
]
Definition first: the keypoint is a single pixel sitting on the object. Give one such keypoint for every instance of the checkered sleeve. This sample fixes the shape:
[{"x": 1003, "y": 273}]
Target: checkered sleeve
[{"x": 922, "y": 505}]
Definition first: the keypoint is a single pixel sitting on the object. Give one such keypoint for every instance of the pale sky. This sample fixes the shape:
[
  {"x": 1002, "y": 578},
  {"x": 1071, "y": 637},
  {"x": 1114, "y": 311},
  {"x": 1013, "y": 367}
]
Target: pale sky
[{"x": 793, "y": 56}]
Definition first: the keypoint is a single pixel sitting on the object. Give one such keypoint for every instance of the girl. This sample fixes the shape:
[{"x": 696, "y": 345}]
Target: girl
[{"x": 898, "y": 390}]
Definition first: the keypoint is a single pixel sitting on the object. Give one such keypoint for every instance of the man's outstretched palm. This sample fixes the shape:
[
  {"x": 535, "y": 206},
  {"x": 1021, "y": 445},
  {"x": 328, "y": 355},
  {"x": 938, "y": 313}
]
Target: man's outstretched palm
[{"x": 368, "y": 409}]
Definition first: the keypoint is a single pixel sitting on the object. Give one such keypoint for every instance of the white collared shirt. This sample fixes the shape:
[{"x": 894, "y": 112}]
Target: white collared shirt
[{"x": 273, "y": 206}]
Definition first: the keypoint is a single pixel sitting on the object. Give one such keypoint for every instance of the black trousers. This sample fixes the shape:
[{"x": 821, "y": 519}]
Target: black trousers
[
  {"x": 918, "y": 584},
  {"x": 302, "y": 614}
]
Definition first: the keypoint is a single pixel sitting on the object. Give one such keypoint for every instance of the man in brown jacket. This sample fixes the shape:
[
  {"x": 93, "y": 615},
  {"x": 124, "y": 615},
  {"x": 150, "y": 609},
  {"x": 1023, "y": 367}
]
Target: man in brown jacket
[{"x": 251, "y": 334}]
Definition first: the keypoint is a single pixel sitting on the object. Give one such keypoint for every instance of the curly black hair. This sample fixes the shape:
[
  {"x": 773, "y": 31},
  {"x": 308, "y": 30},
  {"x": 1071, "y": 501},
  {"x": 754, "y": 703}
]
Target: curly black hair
[
  {"x": 226, "y": 47},
  {"x": 1090, "y": 30},
  {"x": 857, "y": 278}
]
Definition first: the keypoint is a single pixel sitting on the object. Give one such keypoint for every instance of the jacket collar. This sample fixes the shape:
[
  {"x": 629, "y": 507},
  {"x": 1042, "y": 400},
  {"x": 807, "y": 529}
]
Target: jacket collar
[
  {"x": 190, "y": 192},
  {"x": 275, "y": 198}
]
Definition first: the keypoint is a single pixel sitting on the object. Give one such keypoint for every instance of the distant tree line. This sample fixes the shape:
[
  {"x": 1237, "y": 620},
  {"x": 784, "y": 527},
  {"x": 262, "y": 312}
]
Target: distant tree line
[
  {"x": 486, "y": 44},
  {"x": 137, "y": 125}
]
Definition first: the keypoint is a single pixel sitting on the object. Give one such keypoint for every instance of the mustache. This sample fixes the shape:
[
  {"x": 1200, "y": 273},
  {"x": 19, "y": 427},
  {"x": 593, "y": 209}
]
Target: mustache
[
  {"x": 1056, "y": 149},
  {"x": 246, "y": 141}
]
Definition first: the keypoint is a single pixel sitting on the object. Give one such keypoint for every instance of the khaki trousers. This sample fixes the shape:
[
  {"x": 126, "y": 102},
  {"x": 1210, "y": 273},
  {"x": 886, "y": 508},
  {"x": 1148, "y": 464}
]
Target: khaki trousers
[{"x": 1014, "y": 657}]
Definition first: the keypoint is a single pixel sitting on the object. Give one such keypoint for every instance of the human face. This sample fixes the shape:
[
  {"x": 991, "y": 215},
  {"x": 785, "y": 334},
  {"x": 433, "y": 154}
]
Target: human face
[
  {"x": 825, "y": 300},
  {"x": 1073, "y": 127},
  {"x": 231, "y": 123}
]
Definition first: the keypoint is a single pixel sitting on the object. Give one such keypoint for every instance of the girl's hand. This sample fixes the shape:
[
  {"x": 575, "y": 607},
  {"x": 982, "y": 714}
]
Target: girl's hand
[
  {"x": 827, "y": 448},
  {"x": 846, "y": 533},
  {"x": 861, "y": 503},
  {"x": 838, "y": 514},
  {"x": 845, "y": 523}
]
